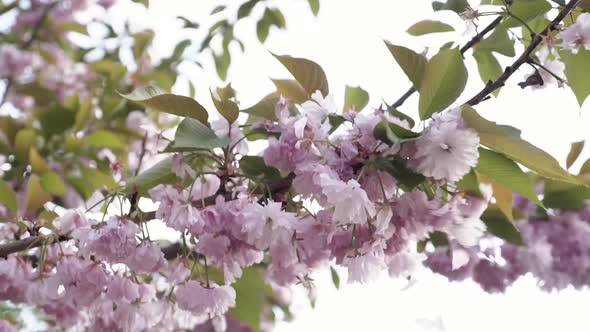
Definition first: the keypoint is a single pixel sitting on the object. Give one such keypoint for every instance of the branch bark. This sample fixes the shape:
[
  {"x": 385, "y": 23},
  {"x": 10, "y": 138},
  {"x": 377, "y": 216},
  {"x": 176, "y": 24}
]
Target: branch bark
[
  {"x": 523, "y": 58},
  {"x": 472, "y": 42}
]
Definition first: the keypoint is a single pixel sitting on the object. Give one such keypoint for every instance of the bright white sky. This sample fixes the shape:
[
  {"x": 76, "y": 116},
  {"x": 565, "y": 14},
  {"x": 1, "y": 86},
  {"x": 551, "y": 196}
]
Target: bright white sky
[{"x": 346, "y": 41}]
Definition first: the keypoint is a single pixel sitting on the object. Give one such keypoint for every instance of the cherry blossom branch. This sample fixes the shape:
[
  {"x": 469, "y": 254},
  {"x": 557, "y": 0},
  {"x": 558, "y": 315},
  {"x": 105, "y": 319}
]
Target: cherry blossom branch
[
  {"x": 525, "y": 57},
  {"x": 171, "y": 251},
  {"x": 27, "y": 44},
  {"x": 472, "y": 42}
]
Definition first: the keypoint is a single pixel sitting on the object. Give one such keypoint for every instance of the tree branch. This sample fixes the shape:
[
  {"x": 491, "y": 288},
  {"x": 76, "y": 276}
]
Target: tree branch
[
  {"x": 476, "y": 39},
  {"x": 523, "y": 58}
]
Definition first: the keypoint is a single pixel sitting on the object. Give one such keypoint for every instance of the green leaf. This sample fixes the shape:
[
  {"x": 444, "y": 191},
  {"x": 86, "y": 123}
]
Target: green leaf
[
  {"x": 264, "y": 108},
  {"x": 82, "y": 186},
  {"x": 575, "y": 73},
  {"x": 192, "y": 135},
  {"x": 523, "y": 152},
  {"x": 499, "y": 225},
  {"x": 308, "y": 73},
  {"x": 222, "y": 62},
  {"x": 38, "y": 163},
  {"x": 97, "y": 178},
  {"x": 445, "y": 77},
  {"x": 255, "y": 167},
  {"x": 141, "y": 41},
  {"x": 22, "y": 142},
  {"x": 8, "y": 197},
  {"x": 104, "y": 139},
  {"x": 335, "y": 277},
  {"x": 585, "y": 169},
  {"x": 470, "y": 184},
  {"x": 217, "y": 9},
  {"x": 113, "y": 70},
  {"x": 227, "y": 108},
  {"x": 355, "y": 97},
  {"x": 429, "y": 26},
  {"x": 57, "y": 120},
  {"x": 160, "y": 173},
  {"x": 525, "y": 10},
  {"x": 412, "y": 63},
  {"x": 156, "y": 99},
  {"x": 251, "y": 294},
  {"x": 263, "y": 27},
  {"x": 458, "y": 6},
  {"x": 314, "y": 5},
  {"x": 574, "y": 153},
  {"x": 498, "y": 41},
  {"x": 393, "y": 111},
  {"x": 561, "y": 195},
  {"x": 246, "y": 8},
  {"x": 396, "y": 166},
  {"x": 36, "y": 196},
  {"x": 292, "y": 90},
  {"x": 83, "y": 115},
  {"x": 52, "y": 183},
  {"x": 506, "y": 172},
  {"x": 392, "y": 133},
  {"x": 488, "y": 66}
]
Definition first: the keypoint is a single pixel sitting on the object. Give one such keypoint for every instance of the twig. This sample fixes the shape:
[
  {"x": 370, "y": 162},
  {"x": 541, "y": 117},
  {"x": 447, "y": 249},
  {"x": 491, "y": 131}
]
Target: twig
[
  {"x": 523, "y": 58},
  {"x": 476, "y": 39}
]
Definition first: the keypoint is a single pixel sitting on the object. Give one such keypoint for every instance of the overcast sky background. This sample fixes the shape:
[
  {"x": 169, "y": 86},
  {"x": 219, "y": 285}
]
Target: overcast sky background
[{"x": 346, "y": 40}]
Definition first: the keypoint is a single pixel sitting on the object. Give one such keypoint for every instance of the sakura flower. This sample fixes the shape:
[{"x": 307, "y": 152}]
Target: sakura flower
[
  {"x": 319, "y": 107},
  {"x": 222, "y": 129},
  {"x": 351, "y": 203},
  {"x": 181, "y": 168},
  {"x": 71, "y": 220},
  {"x": 447, "y": 150},
  {"x": 147, "y": 258},
  {"x": 205, "y": 186},
  {"x": 577, "y": 34},
  {"x": 364, "y": 268},
  {"x": 199, "y": 300}
]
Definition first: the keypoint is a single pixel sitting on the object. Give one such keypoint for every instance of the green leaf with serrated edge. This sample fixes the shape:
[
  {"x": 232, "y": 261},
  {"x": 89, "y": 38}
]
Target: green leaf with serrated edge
[
  {"x": 355, "y": 97},
  {"x": 574, "y": 153},
  {"x": 255, "y": 167},
  {"x": 561, "y": 195},
  {"x": 429, "y": 26},
  {"x": 160, "y": 173},
  {"x": 444, "y": 79},
  {"x": 308, "y": 73},
  {"x": 575, "y": 73},
  {"x": 158, "y": 100},
  {"x": 458, "y": 6},
  {"x": 104, "y": 139},
  {"x": 498, "y": 225},
  {"x": 292, "y": 90},
  {"x": 227, "y": 108},
  {"x": 523, "y": 152},
  {"x": 8, "y": 197},
  {"x": 392, "y": 133},
  {"x": 314, "y": 5},
  {"x": 412, "y": 63},
  {"x": 525, "y": 10},
  {"x": 498, "y": 41},
  {"x": 506, "y": 172},
  {"x": 488, "y": 66},
  {"x": 36, "y": 196},
  {"x": 252, "y": 293},
  {"x": 193, "y": 135},
  {"x": 396, "y": 166},
  {"x": 52, "y": 183},
  {"x": 335, "y": 277}
]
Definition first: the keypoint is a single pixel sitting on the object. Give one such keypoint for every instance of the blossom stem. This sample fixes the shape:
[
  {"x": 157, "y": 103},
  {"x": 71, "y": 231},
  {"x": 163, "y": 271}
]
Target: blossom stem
[{"x": 534, "y": 63}]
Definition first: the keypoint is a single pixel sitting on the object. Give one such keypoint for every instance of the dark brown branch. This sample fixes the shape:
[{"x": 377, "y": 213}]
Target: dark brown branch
[
  {"x": 523, "y": 58},
  {"x": 476, "y": 39}
]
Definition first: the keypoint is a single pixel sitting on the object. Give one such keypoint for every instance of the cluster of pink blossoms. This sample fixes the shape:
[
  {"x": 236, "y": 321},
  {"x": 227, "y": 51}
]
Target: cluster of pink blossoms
[
  {"x": 340, "y": 206},
  {"x": 555, "y": 253}
]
